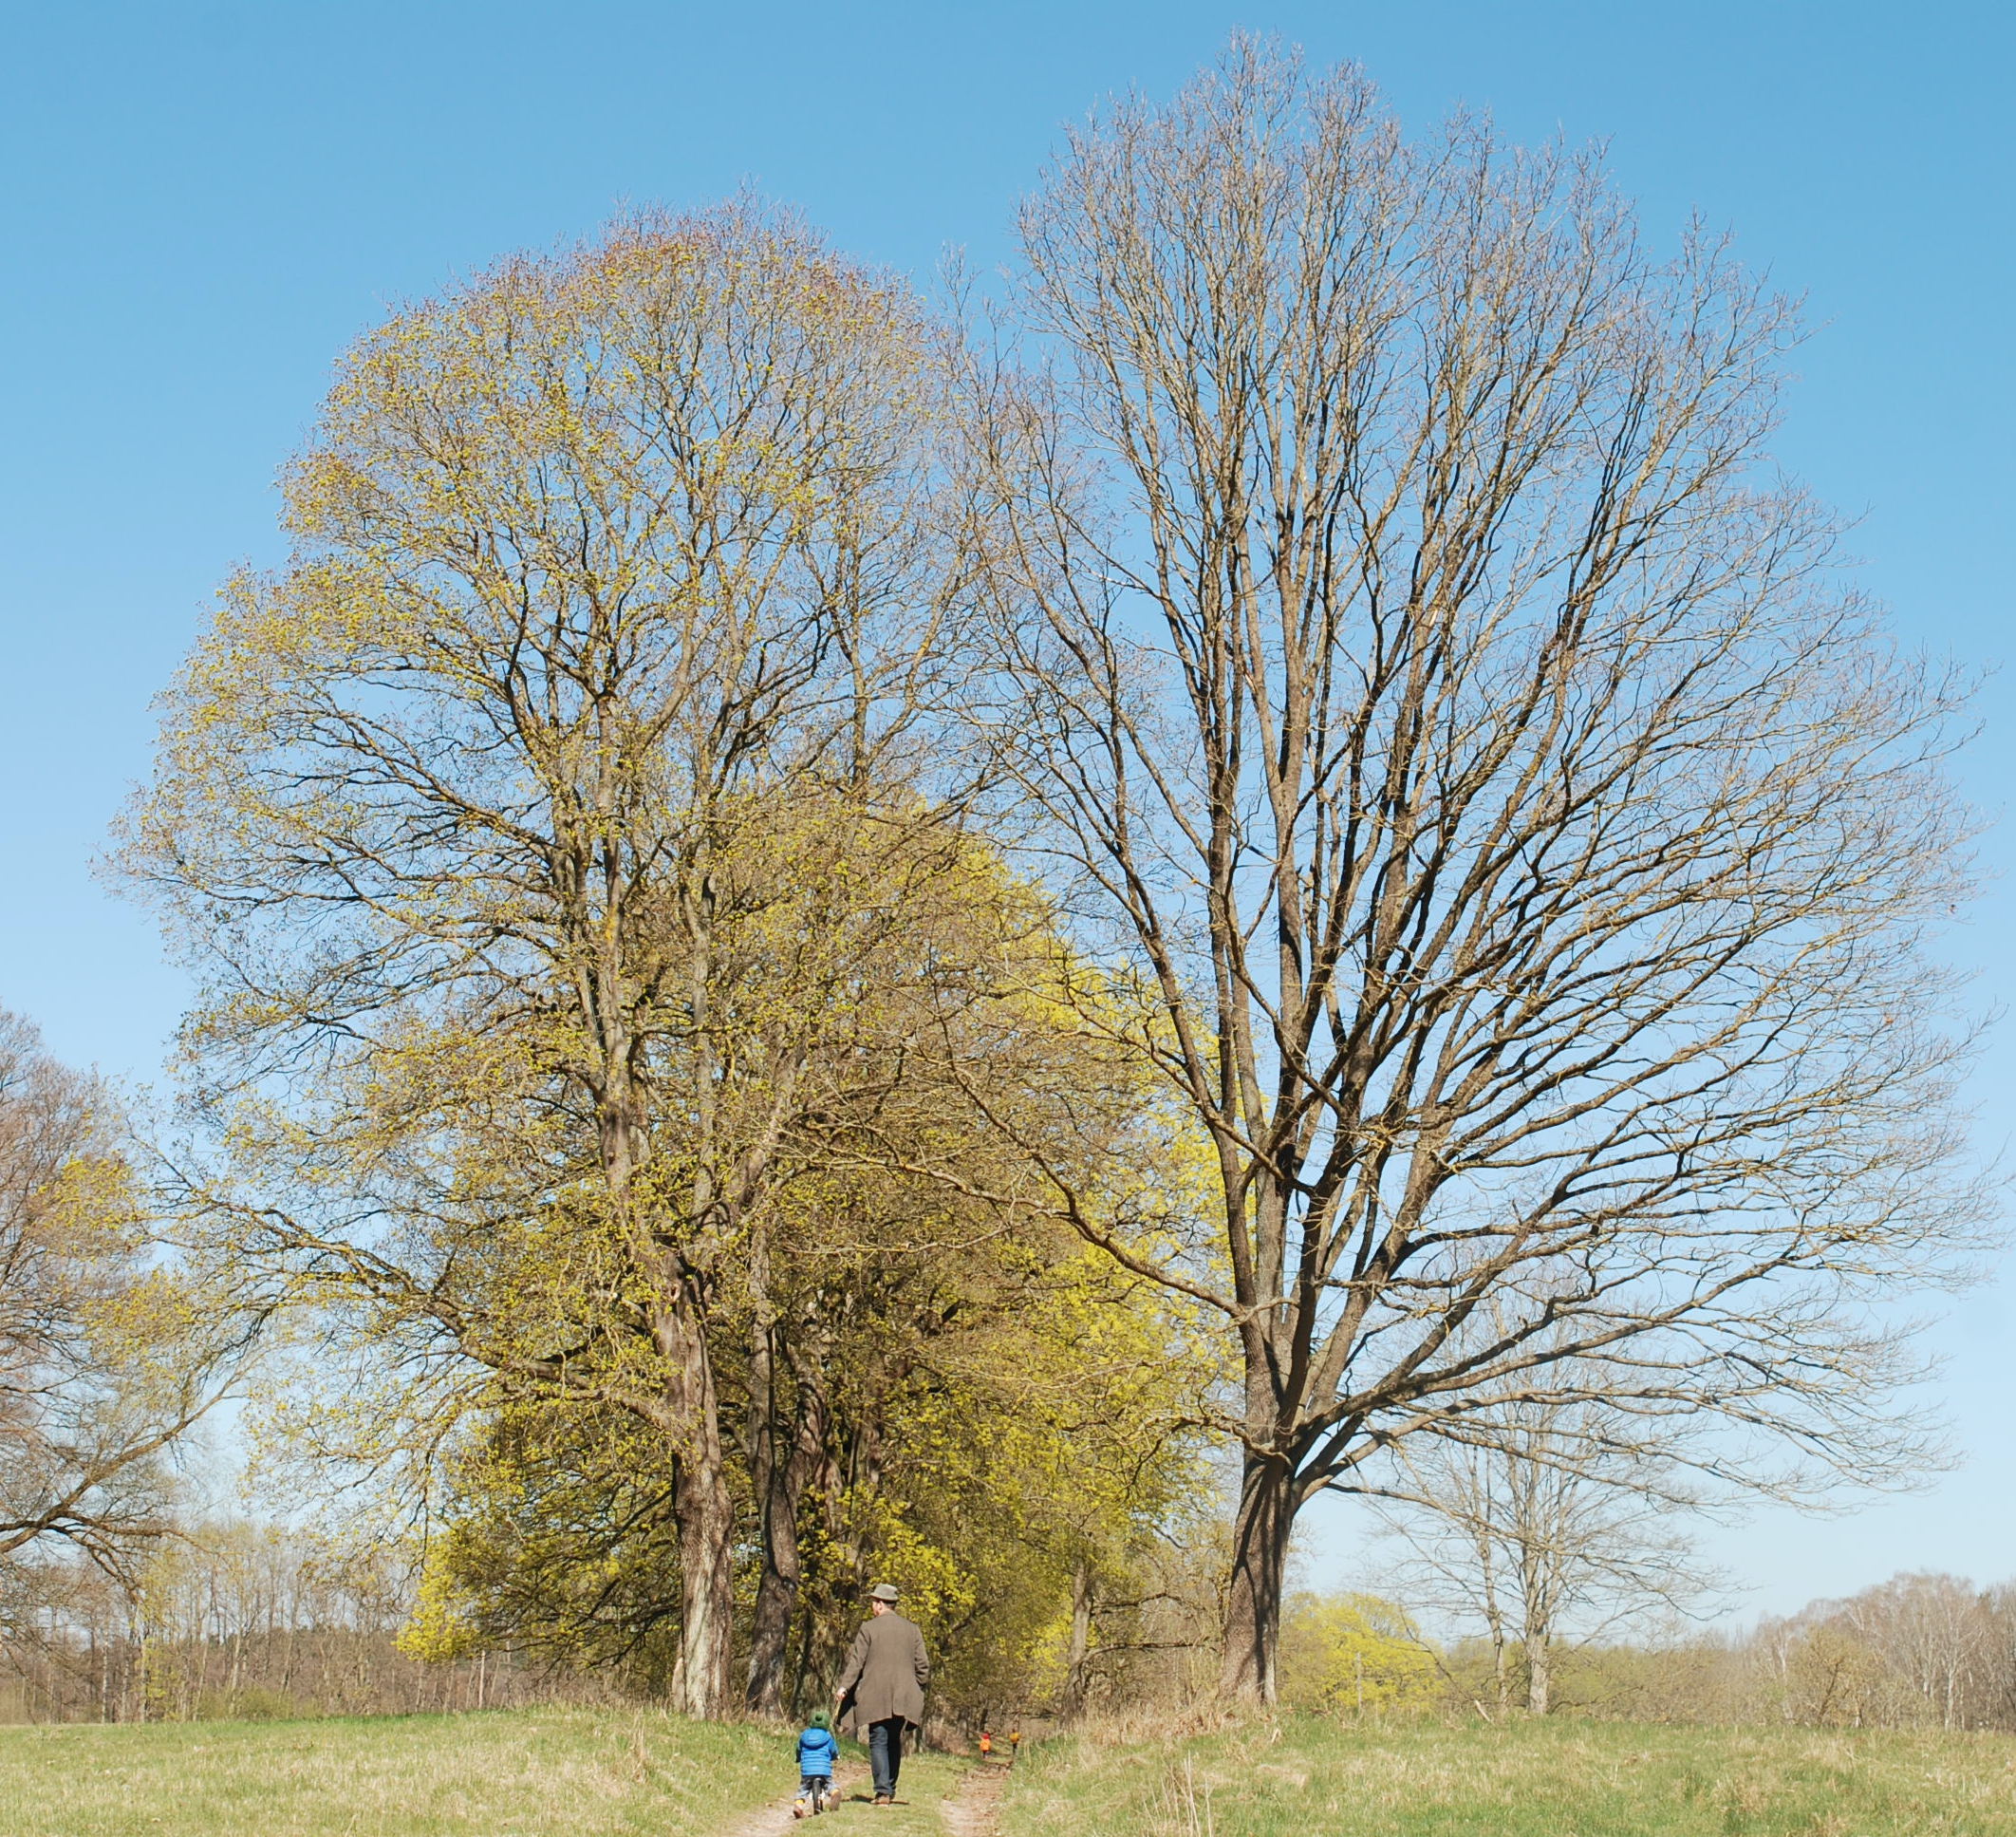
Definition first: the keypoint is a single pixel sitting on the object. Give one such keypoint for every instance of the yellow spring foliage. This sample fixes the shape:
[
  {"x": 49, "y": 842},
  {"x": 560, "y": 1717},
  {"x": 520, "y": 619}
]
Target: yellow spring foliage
[{"x": 1353, "y": 1654}]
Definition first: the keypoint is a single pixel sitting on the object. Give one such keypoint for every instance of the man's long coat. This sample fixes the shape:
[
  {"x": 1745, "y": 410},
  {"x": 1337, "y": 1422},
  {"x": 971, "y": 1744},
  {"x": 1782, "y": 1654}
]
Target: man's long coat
[{"x": 886, "y": 1671}]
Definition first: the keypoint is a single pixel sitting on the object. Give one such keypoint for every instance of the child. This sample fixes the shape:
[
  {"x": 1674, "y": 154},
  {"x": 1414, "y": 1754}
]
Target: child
[{"x": 817, "y": 1751}]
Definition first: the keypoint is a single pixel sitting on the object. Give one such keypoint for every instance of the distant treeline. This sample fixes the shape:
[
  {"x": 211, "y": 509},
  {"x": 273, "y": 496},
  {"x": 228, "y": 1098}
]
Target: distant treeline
[
  {"x": 244, "y": 1619},
  {"x": 1917, "y": 1651},
  {"x": 246, "y": 1622}
]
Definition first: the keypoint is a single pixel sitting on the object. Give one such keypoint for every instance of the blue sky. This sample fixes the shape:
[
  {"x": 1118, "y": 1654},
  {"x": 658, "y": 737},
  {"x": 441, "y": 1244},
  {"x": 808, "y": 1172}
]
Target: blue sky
[{"x": 201, "y": 203}]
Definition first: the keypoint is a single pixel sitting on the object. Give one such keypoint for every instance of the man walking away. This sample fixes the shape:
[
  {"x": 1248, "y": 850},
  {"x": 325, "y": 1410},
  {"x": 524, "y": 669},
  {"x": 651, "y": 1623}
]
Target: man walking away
[{"x": 884, "y": 1680}]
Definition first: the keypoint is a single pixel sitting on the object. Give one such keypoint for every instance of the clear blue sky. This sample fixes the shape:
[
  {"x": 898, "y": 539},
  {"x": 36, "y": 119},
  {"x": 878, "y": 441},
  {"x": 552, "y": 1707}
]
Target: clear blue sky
[{"x": 202, "y": 202}]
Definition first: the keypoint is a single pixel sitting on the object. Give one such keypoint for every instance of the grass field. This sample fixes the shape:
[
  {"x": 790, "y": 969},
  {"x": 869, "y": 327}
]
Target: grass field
[
  {"x": 531, "y": 1773},
  {"x": 626, "y": 1774},
  {"x": 1548, "y": 1779}
]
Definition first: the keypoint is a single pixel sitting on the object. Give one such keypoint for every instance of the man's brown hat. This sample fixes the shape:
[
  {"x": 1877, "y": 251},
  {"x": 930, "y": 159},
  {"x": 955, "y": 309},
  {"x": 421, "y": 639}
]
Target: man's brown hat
[{"x": 883, "y": 1591}]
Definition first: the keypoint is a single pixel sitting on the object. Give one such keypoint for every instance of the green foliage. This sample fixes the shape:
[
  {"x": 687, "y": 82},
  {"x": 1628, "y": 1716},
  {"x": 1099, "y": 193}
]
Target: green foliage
[
  {"x": 998, "y": 1417},
  {"x": 1349, "y": 1654},
  {"x": 648, "y": 1102},
  {"x": 559, "y": 1540},
  {"x": 1021, "y": 1451}
]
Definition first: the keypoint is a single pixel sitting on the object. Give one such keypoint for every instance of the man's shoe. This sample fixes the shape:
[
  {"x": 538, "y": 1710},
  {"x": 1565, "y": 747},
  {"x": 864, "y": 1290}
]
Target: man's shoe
[{"x": 885, "y": 1798}]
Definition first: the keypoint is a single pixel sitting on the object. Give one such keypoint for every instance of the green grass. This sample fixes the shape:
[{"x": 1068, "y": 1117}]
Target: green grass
[
  {"x": 1529, "y": 1779},
  {"x": 530, "y": 1773}
]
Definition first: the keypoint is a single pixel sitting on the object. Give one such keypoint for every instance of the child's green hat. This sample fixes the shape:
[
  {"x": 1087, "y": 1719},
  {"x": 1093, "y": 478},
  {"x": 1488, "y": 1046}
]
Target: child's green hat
[{"x": 821, "y": 1721}]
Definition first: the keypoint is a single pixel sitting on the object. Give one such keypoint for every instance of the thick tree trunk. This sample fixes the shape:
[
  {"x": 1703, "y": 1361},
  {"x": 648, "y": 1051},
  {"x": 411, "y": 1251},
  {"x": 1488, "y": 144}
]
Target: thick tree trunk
[
  {"x": 702, "y": 1504},
  {"x": 803, "y": 1690},
  {"x": 782, "y": 1459},
  {"x": 1077, "y": 1674},
  {"x": 704, "y": 1511},
  {"x": 704, "y": 1507},
  {"x": 776, "y": 1526},
  {"x": 1539, "y": 1562},
  {"x": 1540, "y": 1669},
  {"x": 1259, "y": 1563}
]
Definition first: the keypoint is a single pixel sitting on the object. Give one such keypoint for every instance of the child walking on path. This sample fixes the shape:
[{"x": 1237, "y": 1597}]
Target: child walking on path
[{"x": 817, "y": 1751}]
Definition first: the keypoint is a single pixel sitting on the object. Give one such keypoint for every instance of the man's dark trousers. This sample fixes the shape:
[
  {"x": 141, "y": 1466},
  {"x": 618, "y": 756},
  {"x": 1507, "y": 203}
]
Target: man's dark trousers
[{"x": 885, "y": 1754}]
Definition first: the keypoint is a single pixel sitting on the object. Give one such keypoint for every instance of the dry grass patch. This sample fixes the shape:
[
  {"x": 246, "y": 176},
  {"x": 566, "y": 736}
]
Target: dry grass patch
[
  {"x": 558, "y": 1772},
  {"x": 1544, "y": 1779}
]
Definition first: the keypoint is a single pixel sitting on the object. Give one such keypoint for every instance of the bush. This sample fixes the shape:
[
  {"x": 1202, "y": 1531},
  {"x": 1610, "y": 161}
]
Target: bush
[{"x": 1350, "y": 1653}]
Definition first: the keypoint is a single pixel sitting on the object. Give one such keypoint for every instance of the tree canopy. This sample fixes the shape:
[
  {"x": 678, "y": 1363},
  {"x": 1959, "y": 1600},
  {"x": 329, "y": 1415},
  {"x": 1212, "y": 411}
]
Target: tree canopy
[
  {"x": 823, "y": 944},
  {"x": 595, "y": 965}
]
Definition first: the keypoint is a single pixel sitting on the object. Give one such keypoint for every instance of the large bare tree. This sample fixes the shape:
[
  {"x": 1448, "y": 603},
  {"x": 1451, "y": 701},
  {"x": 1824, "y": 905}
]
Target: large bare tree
[{"x": 1419, "y": 684}]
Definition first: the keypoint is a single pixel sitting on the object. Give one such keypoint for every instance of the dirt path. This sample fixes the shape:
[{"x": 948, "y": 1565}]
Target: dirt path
[
  {"x": 775, "y": 1818},
  {"x": 971, "y": 1813}
]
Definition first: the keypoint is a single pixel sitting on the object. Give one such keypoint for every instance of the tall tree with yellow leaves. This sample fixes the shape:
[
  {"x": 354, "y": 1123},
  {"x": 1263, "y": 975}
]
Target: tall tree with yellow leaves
[{"x": 530, "y": 831}]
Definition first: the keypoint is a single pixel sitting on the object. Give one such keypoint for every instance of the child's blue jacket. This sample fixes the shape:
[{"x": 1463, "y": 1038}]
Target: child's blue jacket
[{"x": 817, "y": 1750}]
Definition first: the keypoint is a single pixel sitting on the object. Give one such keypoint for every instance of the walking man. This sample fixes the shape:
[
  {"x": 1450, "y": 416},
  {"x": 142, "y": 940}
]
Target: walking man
[{"x": 883, "y": 1681}]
